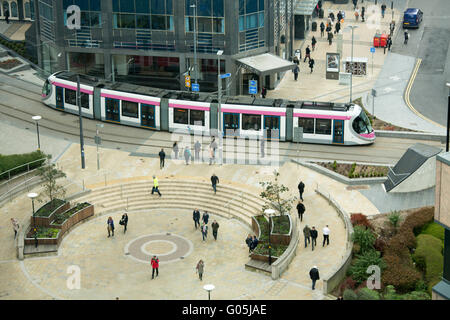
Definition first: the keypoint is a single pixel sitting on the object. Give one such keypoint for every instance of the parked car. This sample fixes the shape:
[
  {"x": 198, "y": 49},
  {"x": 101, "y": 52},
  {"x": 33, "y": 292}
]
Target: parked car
[{"x": 412, "y": 18}]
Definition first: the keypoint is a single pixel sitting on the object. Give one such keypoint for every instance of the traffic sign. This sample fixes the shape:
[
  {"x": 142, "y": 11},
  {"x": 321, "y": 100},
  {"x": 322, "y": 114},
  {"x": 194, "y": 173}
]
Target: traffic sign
[
  {"x": 226, "y": 75},
  {"x": 252, "y": 90},
  {"x": 195, "y": 87},
  {"x": 372, "y": 50},
  {"x": 187, "y": 81},
  {"x": 252, "y": 86},
  {"x": 253, "y": 83}
]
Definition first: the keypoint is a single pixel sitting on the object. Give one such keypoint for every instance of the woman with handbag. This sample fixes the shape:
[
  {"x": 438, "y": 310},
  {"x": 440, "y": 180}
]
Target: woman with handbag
[
  {"x": 124, "y": 221},
  {"x": 110, "y": 224}
]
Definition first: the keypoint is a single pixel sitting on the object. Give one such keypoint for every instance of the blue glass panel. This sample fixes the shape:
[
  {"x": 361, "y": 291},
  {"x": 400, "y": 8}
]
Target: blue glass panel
[
  {"x": 126, "y": 6},
  {"x": 189, "y": 11},
  {"x": 65, "y": 18},
  {"x": 127, "y": 21},
  {"x": 251, "y": 21},
  {"x": 218, "y": 8},
  {"x": 241, "y": 23},
  {"x": 158, "y": 22},
  {"x": 158, "y": 7},
  {"x": 83, "y": 4},
  {"x": 252, "y": 6},
  {"x": 142, "y": 22},
  {"x": 116, "y": 7},
  {"x": 169, "y": 7},
  {"x": 261, "y": 19},
  {"x": 241, "y": 7},
  {"x": 261, "y": 5},
  {"x": 67, "y": 3},
  {"x": 204, "y": 8},
  {"x": 115, "y": 18},
  {"x": 169, "y": 23},
  {"x": 142, "y": 6},
  {"x": 95, "y": 5}
]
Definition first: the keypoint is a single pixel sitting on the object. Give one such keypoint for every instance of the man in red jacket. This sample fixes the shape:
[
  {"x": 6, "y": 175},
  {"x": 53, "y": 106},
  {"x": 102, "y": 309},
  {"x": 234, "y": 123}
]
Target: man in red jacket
[{"x": 155, "y": 266}]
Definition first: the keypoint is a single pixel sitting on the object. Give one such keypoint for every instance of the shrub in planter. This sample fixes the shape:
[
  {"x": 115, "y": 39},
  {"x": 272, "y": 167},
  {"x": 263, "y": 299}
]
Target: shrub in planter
[
  {"x": 49, "y": 207},
  {"x": 394, "y": 218},
  {"x": 434, "y": 229},
  {"x": 401, "y": 274},
  {"x": 349, "y": 295},
  {"x": 359, "y": 219},
  {"x": 60, "y": 218},
  {"x": 368, "y": 294},
  {"x": 416, "y": 295},
  {"x": 348, "y": 283},
  {"x": 379, "y": 244},
  {"x": 364, "y": 238},
  {"x": 358, "y": 270}
]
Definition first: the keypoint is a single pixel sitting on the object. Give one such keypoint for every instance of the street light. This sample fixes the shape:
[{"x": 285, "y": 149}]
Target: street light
[
  {"x": 33, "y": 195},
  {"x": 97, "y": 142},
  {"x": 81, "y": 122},
  {"x": 195, "y": 40},
  {"x": 270, "y": 212},
  {"x": 209, "y": 288},
  {"x": 351, "y": 64},
  {"x": 219, "y": 98},
  {"x": 448, "y": 118},
  {"x": 37, "y": 118}
]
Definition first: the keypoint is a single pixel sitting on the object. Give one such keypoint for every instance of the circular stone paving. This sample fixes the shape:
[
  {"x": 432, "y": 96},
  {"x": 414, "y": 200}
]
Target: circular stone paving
[{"x": 167, "y": 247}]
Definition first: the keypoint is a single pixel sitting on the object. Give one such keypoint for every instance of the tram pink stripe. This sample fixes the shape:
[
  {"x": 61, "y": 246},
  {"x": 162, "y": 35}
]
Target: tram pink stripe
[
  {"x": 185, "y": 106},
  {"x": 266, "y": 113},
  {"x": 72, "y": 87},
  {"x": 321, "y": 116},
  {"x": 113, "y": 96},
  {"x": 368, "y": 135}
]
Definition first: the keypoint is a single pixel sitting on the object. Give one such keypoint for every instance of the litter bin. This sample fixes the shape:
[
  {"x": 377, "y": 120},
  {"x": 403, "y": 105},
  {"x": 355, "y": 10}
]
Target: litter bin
[
  {"x": 314, "y": 26},
  {"x": 377, "y": 40},
  {"x": 383, "y": 40}
]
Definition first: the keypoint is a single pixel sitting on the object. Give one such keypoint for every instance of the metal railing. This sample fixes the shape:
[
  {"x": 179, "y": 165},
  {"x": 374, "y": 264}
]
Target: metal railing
[{"x": 23, "y": 165}]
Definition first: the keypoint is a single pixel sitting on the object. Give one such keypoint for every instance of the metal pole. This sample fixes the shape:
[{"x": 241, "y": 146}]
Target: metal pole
[
  {"x": 81, "y": 122},
  {"x": 34, "y": 218},
  {"x": 270, "y": 252},
  {"x": 448, "y": 124},
  {"x": 39, "y": 141},
  {"x": 351, "y": 68},
  {"x": 98, "y": 157},
  {"x": 209, "y": 295},
  {"x": 219, "y": 99},
  {"x": 195, "y": 42},
  {"x": 372, "y": 64}
]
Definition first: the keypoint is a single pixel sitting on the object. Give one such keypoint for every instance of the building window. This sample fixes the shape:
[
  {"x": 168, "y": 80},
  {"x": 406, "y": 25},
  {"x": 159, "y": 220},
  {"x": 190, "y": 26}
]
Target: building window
[
  {"x": 209, "y": 13},
  {"x": 197, "y": 117},
  {"x": 180, "y": 116},
  {"x": 251, "y": 122},
  {"x": 90, "y": 11},
  {"x": 14, "y": 13},
  {"x": 45, "y": 9},
  {"x": 307, "y": 124},
  {"x": 323, "y": 126},
  {"x": 129, "y": 109}
]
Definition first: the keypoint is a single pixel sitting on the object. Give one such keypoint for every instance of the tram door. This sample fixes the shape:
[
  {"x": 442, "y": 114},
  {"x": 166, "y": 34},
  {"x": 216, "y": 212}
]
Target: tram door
[
  {"x": 231, "y": 122},
  {"x": 112, "y": 109},
  {"x": 338, "y": 131},
  {"x": 147, "y": 115},
  {"x": 60, "y": 98},
  {"x": 272, "y": 123}
]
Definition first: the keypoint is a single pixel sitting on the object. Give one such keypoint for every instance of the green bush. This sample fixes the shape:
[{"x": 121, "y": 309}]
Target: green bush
[
  {"x": 394, "y": 218},
  {"x": 364, "y": 238},
  {"x": 281, "y": 224},
  {"x": 358, "y": 270},
  {"x": 349, "y": 295},
  {"x": 434, "y": 229},
  {"x": 428, "y": 257},
  {"x": 15, "y": 160},
  {"x": 368, "y": 294},
  {"x": 416, "y": 295}
]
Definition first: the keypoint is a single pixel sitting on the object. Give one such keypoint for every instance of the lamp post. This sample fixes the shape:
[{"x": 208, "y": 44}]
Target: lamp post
[
  {"x": 351, "y": 64},
  {"x": 209, "y": 288},
  {"x": 97, "y": 142},
  {"x": 270, "y": 212},
  {"x": 448, "y": 119},
  {"x": 219, "y": 98},
  {"x": 195, "y": 39},
  {"x": 81, "y": 122},
  {"x": 33, "y": 195},
  {"x": 37, "y": 118}
]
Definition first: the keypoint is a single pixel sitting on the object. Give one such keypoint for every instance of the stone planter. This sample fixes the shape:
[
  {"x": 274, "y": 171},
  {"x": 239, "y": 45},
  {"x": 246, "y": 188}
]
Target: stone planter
[
  {"x": 44, "y": 241},
  {"x": 45, "y": 221},
  {"x": 256, "y": 228},
  {"x": 74, "y": 219},
  {"x": 278, "y": 238},
  {"x": 262, "y": 257}
]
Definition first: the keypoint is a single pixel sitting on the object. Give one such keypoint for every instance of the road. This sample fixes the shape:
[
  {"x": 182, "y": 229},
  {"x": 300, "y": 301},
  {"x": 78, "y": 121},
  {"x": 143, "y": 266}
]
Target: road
[{"x": 431, "y": 44}]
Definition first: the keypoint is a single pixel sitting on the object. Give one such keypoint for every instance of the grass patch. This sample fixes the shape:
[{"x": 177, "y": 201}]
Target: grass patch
[
  {"x": 61, "y": 217},
  {"x": 281, "y": 224}
]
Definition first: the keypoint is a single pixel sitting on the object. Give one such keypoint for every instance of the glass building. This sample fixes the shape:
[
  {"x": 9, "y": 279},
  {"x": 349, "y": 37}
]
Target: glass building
[{"x": 151, "y": 42}]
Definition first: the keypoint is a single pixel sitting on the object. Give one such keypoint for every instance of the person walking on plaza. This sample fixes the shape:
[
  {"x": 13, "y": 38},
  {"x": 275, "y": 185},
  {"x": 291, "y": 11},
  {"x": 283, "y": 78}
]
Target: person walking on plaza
[
  {"x": 383, "y": 10},
  {"x": 295, "y": 60},
  {"x": 322, "y": 29},
  {"x": 215, "y": 228},
  {"x": 307, "y": 235},
  {"x": 187, "y": 154},
  {"x": 389, "y": 43},
  {"x": 337, "y": 27},
  {"x": 296, "y": 71},
  {"x": 339, "y": 16},
  {"x": 204, "y": 230},
  {"x": 175, "y": 149},
  {"x": 211, "y": 155},
  {"x": 205, "y": 217},
  {"x": 301, "y": 189},
  {"x": 162, "y": 156},
  {"x": 313, "y": 43},
  {"x": 391, "y": 28},
  {"x": 124, "y": 222},
  {"x": 200, "y": 268},
  {"x": 311, "y": 64},
  {"x": 356, "y": 14},
  {"x": 110, "y": 224},
  {"x": 197, "y": 149},
  {"x": 155, "y": 266},
  {"x": 214, "y": 182},
  {"x": 363, "y": 11},
  {"x": 406, "y": 37},
  {"x": 307, "y": 54},
  {"x": 314, "y": 236},
  {"x": 196, "y": 217},
  {"x": 16, "y": 226},
  {"x": 326, "y": 235},
  {"x": 248, "y": 241},
  {"x": 355, "y": 3},
  {"x": 7, "y": 15},
  {"x": 300, "y": 210},
  {"x": 330, "y": 38},
  {"x": 314, "y": 275},
  {"x": 155, "y": 186},
  {"x": 263, "y": 92}
]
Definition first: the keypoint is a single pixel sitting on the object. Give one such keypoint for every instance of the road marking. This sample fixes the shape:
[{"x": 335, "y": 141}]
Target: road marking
[{"x": 408, "y": 91}]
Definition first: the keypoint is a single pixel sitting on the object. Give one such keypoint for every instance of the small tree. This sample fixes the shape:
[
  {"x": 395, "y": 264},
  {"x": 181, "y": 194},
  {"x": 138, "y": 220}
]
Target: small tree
[
  {"x": 52, "y": 189},
  {"x": 273, "y": 192},
  {"x": 364, "y": 238},
  {"x": 394, "y": 218}
]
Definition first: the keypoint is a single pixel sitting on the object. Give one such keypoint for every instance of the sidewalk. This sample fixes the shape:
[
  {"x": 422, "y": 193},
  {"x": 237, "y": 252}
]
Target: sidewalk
[{"x": 15, "y": 30}]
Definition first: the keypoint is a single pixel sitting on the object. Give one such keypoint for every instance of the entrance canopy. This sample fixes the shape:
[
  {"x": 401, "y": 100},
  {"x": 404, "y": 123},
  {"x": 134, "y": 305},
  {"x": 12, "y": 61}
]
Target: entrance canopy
[
  {"x": 265, "y": 64},
  {"x": 304, "y": 7}
]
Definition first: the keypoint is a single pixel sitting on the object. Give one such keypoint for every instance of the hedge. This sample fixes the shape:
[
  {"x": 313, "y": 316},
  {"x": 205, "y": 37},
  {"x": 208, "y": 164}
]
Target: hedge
[
  {"x": 349, "y": 295},
  {"x": 368, "y": 294},
  {"x": 435, "y": 230},
  {"x": 428, "y": 257},
  {"x": 14, "y": 160}
]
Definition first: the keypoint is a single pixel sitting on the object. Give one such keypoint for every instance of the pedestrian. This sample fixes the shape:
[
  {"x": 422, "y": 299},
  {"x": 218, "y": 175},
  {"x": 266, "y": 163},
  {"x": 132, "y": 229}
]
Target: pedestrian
[
  {"x": 384, "y": 47},
  {"x": 389, "y": 43},
  {"x": 263, "y": 92},
  {"x": 248, "y": 241},
  {"x": 356, "y": 14},
  {"x": 311, "y": 64},
  {"x": 162, "y": 156},
  {"x": 322, "y": 29},
  {"x": 340, "y": 298},
  {"x": 355, "y": 3},
  {"x": 307, "y": 54},
  {"x": 215, "y": 228},
  {"x": 392, "y": 27},
  {"x": 406, "y": 37},
  {"x": 7, "y": 15},
  {"x": 110, "y": 224},
  {"x": 329, "y": 26},
  {"x": 331, "y": 15},
  {"x": 204, "y": 230},
  {"x": 301, "y": 189},
  {"x": 383, "y": 10},
  {"x": 205, "y": 217},
  {"x": 313, "y": 43},
  {"x": 326, "y": 235},
  {"x": 314, "y": 275},
  {"x": 124, "y": 222},
  {"x": 16, "y": 226},
  {"x": 296, "y": 71},
  {"x": 307, "y": 234},
  {"x": 363, "y": 11},
  {"x": 155, "y": 186},
  {"x": 314, "y": 235},
  {"x": 262, "y": 145},
  {"x": 196, "y": 217},
  {"x": 330, "y": 38},
  {"x": 155, "y": 266},
  {"x": 300, "y": 210},
  {"x": 214, "y": 182},
  {"x": 254, "y": 243},
  {"x": 175, "y": 149},
  {"x": 197, "y": 149},
  {"x": 339, "y": 16},
  {"x": 296, "y": 60},
  {"x": 200, "y": 268},
  {"x": 337, "y": 27},
  {"x": 187, "y": 154}
]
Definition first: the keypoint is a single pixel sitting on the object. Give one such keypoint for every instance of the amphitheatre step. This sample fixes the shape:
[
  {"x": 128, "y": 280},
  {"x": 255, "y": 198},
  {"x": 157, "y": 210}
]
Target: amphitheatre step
[{"x": 258, "y": 266}]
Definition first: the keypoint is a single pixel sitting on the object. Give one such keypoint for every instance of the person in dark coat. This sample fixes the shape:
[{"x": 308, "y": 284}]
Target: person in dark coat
[
  {"x": 301, "y": 189},
  {"x": 248, "y": 241},
  {"x": 175, "y": 149},
  {"x": 314, "y": 275},
  {"x": 295, "y": 60},
  {"x": 337, "y": 27},
  {"x": 124, "y": 222},
  {"x": 300, "y": 210},
  {"x": 383, "y": 10},
  {"x": 7, "y": 16},
  {"x": 313, "y": 43},
  {"x": 110, "y": 224},
  {"x": 322, "y": 29},
  {"x": 200, "y": 268},
  {"x": 162, "y": 156},
  {"x": 311, "y": 64},
  {"x": 215, "y": 228},
  {"x": 204, "y": 230},
  {"x": 389, "y": 43},
  {"x": 254, "y": 243},
  {"x": 363, "y": 11},
  {"x": 196, "y": 217},
  {"x": 307, "y": 54},
  {"x": 314, "y": 236},
  {"x": 355, "y": 3},
  {"x": 330, "y": 38},
  {"x": 214, "y": 182},
  {"x": 263, "y": 92},
  {"x": 155, "y": 266},
  {"x": 307, "y": 234},
  {"x": 296, "y": 70},
  {"x": 205, "y": 217},
  {"x": 406, "y": 37},
  {"x": 339, "y": 16}
]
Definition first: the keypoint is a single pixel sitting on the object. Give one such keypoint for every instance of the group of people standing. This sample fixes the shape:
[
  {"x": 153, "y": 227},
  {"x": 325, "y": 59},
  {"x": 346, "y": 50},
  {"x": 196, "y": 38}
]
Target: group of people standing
[
  {"x": 204, "y": 225},
  {"x": 123, "y": 222},
  {"x": 188, "y": 157},
  {"x": 252, "y": 242}
]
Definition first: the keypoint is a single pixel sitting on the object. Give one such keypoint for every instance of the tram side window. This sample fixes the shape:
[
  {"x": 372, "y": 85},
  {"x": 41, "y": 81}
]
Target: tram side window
[
  {"x": 70, "y": 96},
  {"x": 112, "y": 105},
  {"x": 251, "y": 122},
  {"x": 129, "y": 109},
  {"x": 46, "y": 88},
  {"x": 180, "y": 116},
  {"x": 323, "y": 126},
  {"x": 307, "y": 124},
  {"x": 196, "y": 117},
  {"x": 84, "y": 100}
]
